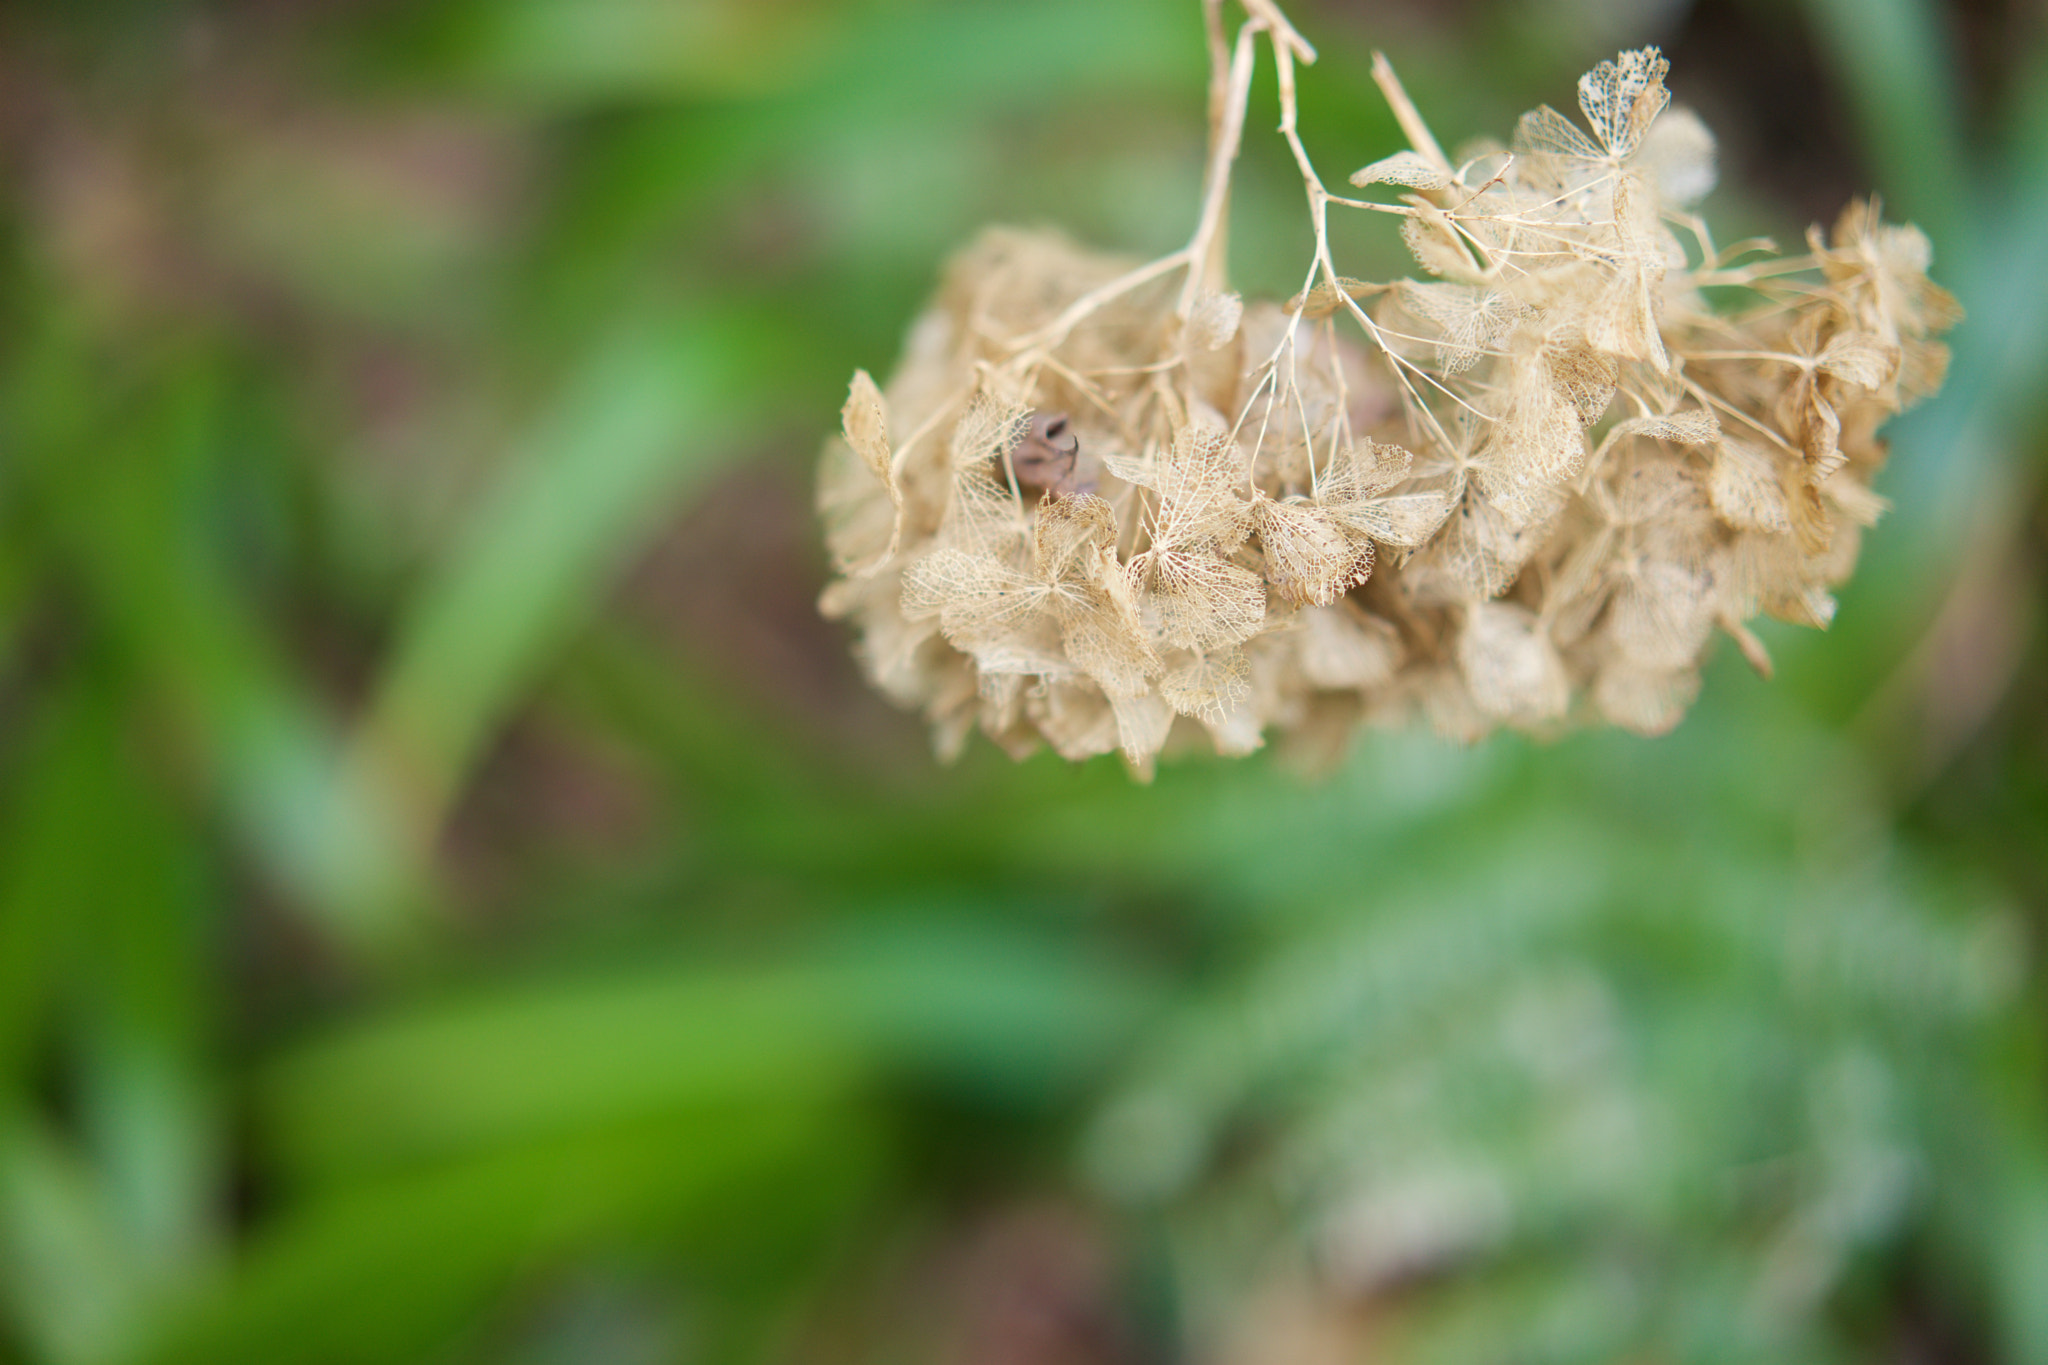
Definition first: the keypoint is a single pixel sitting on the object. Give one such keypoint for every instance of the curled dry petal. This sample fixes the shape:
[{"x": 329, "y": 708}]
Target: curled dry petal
[
  {"x": 1698, "y": 426},
  {"x": 1326, "y": 298},
  {"x": 1437, "y": 246},
  {"x": 865, "y": 423}
]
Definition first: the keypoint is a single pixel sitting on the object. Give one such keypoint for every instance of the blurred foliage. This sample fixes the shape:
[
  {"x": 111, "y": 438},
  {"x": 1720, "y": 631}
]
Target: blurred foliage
[{"x": 457, "y": 904}]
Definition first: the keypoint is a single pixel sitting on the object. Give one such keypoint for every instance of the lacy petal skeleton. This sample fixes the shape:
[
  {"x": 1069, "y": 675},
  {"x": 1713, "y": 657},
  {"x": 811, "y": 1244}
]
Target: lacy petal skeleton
[{"x": 1107, "y": 505}]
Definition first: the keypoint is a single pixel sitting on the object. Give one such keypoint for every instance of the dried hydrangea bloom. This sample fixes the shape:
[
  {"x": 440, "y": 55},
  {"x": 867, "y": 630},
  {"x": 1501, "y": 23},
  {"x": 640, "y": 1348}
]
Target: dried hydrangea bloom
[{"x": 1105, "y": 505}]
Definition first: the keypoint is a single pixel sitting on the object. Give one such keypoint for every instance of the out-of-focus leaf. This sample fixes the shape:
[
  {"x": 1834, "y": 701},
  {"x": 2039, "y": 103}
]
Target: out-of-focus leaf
[
  {"x": 849, "y": 57},
  {"x": 1894, "y": 59},
  {"x": 156, "y": 578},
  {"x": 61, "y": 785},
  {"x": 643, "y": 416},
  {"x": 402, "y": 1269},
  {"x": 70, "y": 1280},
  {"x": 571, "y": 52},
  {"x": 97, "y": 908},
  {"x": 979, "y": 1009}
]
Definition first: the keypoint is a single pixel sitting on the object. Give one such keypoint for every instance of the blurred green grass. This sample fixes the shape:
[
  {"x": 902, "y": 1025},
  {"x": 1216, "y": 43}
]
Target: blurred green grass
[{"x": 457, "y": 903}]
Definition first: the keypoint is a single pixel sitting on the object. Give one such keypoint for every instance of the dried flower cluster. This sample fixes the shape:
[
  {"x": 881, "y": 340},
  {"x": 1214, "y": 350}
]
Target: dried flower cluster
[{"x": 1103, "y": 503}]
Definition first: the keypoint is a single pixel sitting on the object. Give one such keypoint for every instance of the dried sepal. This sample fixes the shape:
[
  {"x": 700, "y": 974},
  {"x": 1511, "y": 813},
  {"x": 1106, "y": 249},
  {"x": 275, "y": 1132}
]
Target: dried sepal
[
  {"x": 989, "y": 429},
  {"x": 1862, "y": 358},
  {"x": 1660, "y": 614},
  {"x": 1581, "y": 374},
  {"x": 1553, "y": 145},
  {"x": 1626, "y": 322},
  {"x": 1070, "y": 531},
  {"x": 1855, "y": 500},
  {"x": 1077, "y": 720},
  {"x": 1537, "y": 443},
  {"x": 1476, "y": 555},
  {"x": 1693, "y": 427},
  {"x": 1881, "y": 269},
  {"x": 1646, "y": 700},
  {"x": 1102, "y": 634},
  {"x": 982, "y": 514},
  {"x": 1132, "y": 469}
]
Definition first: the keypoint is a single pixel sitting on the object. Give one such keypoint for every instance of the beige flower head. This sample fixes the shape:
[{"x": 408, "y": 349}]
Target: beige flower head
[{"x": 1106, "y": 505}]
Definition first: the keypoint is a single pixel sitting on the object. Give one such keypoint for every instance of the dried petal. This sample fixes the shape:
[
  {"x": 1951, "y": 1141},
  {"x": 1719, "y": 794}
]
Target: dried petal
[
  {"x": 1141, "y": 725},
  {"x": 1343, "y": 647},
  {"x": 1202, "y": 601},
  {"x": 1068, "y": 531},
  {"x": 1510, "y": 666},
  {"x": 1326, "y": 298},
  {"x": 1696, "y": 426},
  {"x": 1211, "y": 687},
  {"x": 1647, "y": 701},
  {"x": 1621, "y": 99},
  {"x": 1660, "y": 615},
  {"x": 1677, "y": 155},
  {"x": 1468, "y": 320},
  {"x": 1311, "y": 555},
  {"x": 1861, "y": 358},
  {"x": 989, "y": 429},
  {"x": 1411, "y": 169},
  {"x": 1196, "y": 503},
  {"x": 1214, "y": 322},
  {"x": 1747, "y": 490},
  {"x": 866, "y": 425}
]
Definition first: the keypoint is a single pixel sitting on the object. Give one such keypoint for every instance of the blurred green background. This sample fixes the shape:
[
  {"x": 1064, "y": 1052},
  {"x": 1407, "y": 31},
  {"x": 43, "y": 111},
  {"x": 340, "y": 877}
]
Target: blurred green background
[{"x": 458, "y": 903}]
